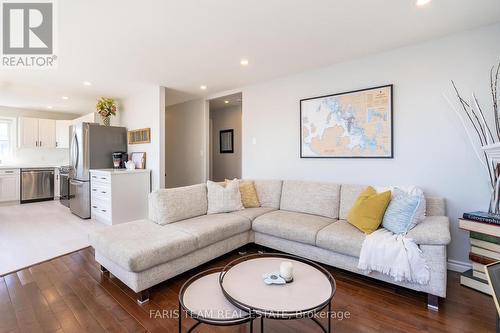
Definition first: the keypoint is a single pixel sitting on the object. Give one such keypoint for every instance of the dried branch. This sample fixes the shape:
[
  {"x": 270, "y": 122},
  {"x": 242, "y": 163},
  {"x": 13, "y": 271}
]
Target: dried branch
[
  {"x": 485, "y": 124},
  {"x": 494, "y": 90},
  {"x": 465, "y": 107}
]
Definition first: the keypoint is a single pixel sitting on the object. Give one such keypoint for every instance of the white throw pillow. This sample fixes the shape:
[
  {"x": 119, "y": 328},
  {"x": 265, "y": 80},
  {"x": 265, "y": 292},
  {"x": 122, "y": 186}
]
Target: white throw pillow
[{"x": 224, "y": 199}]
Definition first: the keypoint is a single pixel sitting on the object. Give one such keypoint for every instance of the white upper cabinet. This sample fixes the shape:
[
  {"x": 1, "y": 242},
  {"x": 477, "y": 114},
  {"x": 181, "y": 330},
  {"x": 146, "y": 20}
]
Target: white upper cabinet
[
  {"x": 62, "y": 133},
  {"x": 28, "y": 132},
  {"x": 46, "y": 133},
  {"x": 38, "y": 133}
]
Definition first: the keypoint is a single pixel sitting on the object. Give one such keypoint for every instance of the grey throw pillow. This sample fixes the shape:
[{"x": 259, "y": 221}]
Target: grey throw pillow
[{"x": 223, "y": 199}]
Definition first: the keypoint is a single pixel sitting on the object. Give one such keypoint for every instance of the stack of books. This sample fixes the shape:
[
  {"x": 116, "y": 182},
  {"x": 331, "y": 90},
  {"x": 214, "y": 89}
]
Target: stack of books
[{"x": 484, "y": 231}]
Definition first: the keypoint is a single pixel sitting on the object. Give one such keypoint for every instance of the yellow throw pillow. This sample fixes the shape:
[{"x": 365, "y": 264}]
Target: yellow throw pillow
[
  {"x": 249, "y": 197},
  {"x": 368, "y": 211}
]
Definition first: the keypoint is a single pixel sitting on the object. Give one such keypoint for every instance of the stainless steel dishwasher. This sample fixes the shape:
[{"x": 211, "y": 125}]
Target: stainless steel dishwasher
[{"x": 37, "y": 184}]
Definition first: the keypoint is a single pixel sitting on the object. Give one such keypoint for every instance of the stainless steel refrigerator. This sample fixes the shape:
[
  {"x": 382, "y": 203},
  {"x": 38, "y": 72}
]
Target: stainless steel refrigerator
[{"x": 91, "y": 147}]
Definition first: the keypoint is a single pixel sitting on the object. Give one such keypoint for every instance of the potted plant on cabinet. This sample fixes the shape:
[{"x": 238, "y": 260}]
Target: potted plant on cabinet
[{"x": 106, "y": 107}]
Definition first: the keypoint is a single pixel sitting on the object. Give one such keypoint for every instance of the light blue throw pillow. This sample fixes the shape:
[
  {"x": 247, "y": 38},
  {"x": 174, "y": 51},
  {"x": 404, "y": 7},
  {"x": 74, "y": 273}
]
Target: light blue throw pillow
[{"x": 402, "y": 214}]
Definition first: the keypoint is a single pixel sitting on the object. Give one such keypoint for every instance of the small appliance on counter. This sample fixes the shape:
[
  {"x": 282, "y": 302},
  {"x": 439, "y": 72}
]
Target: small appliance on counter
[{"x": 119, "y": 159}]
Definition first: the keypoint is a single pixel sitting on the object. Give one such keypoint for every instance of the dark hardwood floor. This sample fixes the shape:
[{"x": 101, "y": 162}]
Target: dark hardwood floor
[{"x": 68, "y": 294}]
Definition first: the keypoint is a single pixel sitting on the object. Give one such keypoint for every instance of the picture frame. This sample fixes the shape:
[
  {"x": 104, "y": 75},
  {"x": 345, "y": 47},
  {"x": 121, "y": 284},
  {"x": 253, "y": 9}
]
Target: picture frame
[
  {"x": 226, "y": 141},
  {"x": 139, "y": 136},
  {"x": 347, "y": 124},
  {"x": 139, "y": 159}
]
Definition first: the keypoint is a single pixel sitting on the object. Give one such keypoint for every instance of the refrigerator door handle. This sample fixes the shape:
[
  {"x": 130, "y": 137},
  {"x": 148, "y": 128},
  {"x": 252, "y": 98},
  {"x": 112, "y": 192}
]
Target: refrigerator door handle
[{"x": 75, "y": 152}]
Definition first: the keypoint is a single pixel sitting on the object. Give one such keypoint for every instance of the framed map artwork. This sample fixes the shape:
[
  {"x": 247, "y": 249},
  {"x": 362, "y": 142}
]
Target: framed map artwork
[{"x": 355, "y": 124}]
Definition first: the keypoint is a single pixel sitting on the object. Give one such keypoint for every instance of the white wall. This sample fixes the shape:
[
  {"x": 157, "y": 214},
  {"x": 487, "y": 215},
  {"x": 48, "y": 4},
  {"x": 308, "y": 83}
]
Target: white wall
[
  {"x": 185, "y": 143},
  {"x": 430, "y": 147},
  {"x": 43, "y": 156},
  {"x": 142, "y": 110},
  {"x": 226, "y": 166}
]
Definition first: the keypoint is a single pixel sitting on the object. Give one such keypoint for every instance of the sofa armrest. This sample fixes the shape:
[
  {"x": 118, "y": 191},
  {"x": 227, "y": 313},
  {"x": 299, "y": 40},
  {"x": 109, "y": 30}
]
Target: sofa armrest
[{"x": 433, "y": 230}]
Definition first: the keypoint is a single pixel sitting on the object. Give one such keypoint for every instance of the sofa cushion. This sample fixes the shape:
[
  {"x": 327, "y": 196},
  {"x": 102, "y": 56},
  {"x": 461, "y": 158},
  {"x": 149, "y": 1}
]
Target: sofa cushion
[
  {"x": 253, "y": 213},
  {"x": 209, "y": 229},
  {"x": 224, "y": 198},
  {"x": 433, "y": 230},
  {"x": 249, "y": 196},
  {"x": 435, "y": 206},
  {"x": 139, "y": 245},
  {"x": 311, "y": 198},
  {"x": 293, "y": 226},
  {"x": 368, "y": 211},
  {"x": 269, "y": 192},
  {"x": 175, "y": 204},
  {"x": 348, "y": 195},
  {"x": 341, "y": 237}
]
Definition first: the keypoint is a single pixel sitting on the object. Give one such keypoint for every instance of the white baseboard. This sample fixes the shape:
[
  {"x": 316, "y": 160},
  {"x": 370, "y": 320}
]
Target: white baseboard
[{"x": 458, "y": 266}]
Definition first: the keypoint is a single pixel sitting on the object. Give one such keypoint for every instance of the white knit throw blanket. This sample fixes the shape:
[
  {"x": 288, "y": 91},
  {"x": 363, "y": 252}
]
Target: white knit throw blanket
[{"x": 394, "y": 255}]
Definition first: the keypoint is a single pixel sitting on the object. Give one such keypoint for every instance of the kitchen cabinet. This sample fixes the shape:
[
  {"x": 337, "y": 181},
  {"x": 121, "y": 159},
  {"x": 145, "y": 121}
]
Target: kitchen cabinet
[
  {"x": 119, "y": 195},
  {"x": 34, "y": 132},
  {"x": 46, "y": 133},
  {"x": 62, "y": 133},
  {"x": 9, "y": 185},
  {"x": 28, "y": 132}
]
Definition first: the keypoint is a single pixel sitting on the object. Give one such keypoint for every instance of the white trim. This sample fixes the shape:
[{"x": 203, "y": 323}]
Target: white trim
[{"x": 458, "y": 266}]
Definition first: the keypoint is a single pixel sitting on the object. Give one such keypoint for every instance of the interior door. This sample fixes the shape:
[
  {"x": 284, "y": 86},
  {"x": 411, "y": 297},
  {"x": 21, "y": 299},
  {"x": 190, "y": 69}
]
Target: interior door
[
  {"x": 62, "y": 133},
  {"x": 46, "y": 133},
  {"x": 28, "y": 132}
]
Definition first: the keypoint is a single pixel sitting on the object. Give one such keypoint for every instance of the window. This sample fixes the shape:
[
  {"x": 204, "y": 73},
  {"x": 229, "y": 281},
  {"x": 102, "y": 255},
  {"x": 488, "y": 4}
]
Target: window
[{"x": 6, "y": 137}]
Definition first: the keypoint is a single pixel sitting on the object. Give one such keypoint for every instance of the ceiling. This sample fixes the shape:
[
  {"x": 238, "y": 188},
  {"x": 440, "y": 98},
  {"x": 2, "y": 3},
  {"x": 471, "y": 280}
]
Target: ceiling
[
  {"x": 225, "y": 102},
  {"x": 120, "y": 46}
]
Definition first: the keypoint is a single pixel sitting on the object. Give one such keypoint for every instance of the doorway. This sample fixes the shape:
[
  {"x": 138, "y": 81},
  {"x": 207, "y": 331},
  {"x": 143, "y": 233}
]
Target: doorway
[{"x": 225, "y": 116}]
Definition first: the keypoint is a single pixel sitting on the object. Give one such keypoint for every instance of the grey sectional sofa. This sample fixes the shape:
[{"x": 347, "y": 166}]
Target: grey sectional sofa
[{"x": 307, "y": 219}]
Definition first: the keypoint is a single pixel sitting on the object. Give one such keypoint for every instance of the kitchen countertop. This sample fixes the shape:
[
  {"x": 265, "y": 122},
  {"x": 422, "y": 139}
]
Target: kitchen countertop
[
  {"x": 28, "y": 165},
  {"x": 120, "y": 171}
]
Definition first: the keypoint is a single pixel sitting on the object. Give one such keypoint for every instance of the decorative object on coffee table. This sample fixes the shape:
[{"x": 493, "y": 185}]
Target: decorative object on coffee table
[
  {"x": 202, "y": 299},
  {"x": 106, "y": 107},
  {"x": 312, "y": 289},
  {"x": 477, "y": 122}
]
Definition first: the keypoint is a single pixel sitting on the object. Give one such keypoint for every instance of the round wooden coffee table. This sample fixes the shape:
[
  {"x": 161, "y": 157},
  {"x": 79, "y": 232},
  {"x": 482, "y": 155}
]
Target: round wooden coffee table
[
  {"x": 310, "y": 292},
  {"x": 202, "y": 299}
]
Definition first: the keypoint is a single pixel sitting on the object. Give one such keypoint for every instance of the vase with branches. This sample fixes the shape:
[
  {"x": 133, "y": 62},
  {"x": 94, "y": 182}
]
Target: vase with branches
[
  {"x": 486, "y": 133},
  {"x": 106, "y": 107}
]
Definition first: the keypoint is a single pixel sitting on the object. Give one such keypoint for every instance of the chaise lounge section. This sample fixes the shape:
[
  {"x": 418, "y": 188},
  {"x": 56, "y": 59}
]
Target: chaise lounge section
[{"x": 307, "y": 219}]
